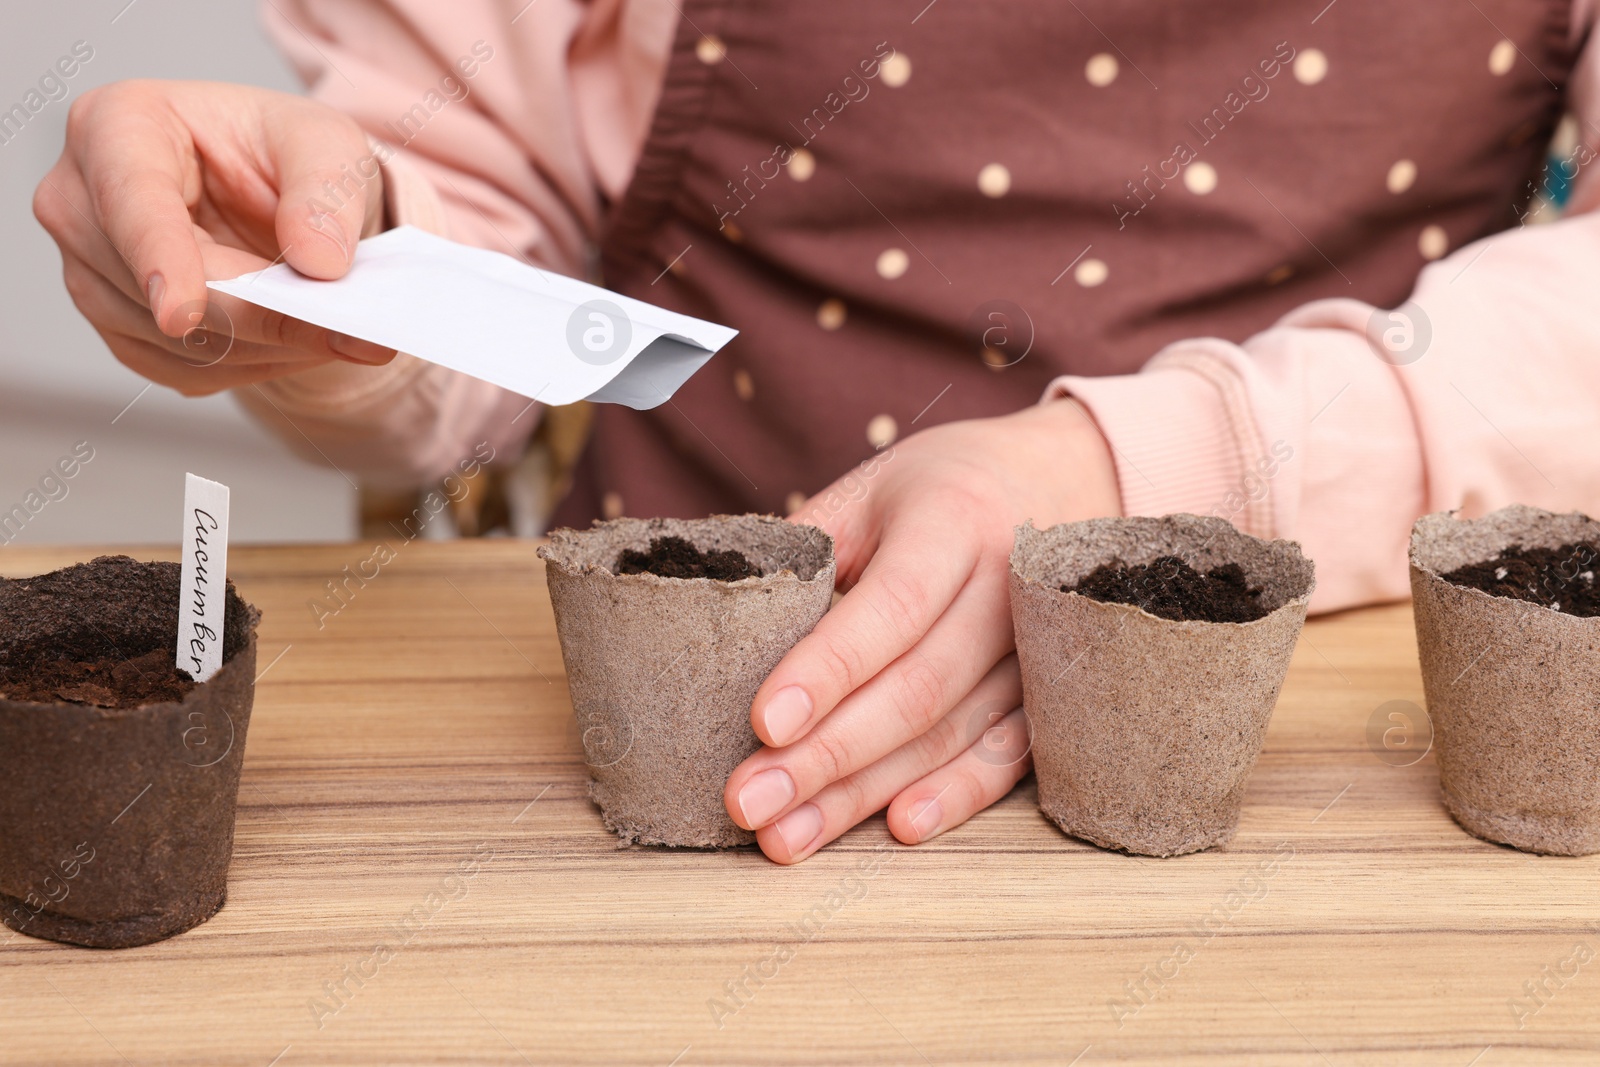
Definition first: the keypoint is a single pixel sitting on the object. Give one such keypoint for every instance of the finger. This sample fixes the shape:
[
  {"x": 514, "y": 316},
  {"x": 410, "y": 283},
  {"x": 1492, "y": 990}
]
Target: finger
[
  {"x": 326, "y": 174},
  {"x": 978, "y": 719},
  {"x": 86, "y": 249},
  {"x": 85, "y": 252},
  {"x": 211, "y": 338},
  {"x": 254, "y": 324},
  {"x": 900, "y": 703},
  {"x": 142, "y": 173},
  {"x": 954, "y": 793},
  {"x": 158, "y": 365},
  {"x": 284, "y": 337},
  {"x": 913, "y": 577},
  {"x": 61, "y": 204}
]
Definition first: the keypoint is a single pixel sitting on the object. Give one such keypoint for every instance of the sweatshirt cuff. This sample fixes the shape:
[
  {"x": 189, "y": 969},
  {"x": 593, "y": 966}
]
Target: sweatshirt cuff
[{"x": 1182, "y": 436}]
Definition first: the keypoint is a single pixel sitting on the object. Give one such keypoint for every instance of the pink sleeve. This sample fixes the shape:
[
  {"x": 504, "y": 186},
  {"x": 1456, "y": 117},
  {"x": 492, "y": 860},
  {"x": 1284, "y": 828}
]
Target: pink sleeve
[
  {"x": 520, "y": 156},
  {"x": 1307, "y": 431}
]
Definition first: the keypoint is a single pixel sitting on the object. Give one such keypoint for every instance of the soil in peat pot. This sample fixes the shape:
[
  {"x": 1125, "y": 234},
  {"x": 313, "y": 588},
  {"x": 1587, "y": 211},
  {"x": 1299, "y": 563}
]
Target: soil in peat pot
[
  {"x": 1169, "y": 588},
  {"x": 81, "y": 677},
  {"x": 675, "y": 557},
  {"x": 1559, "y": 578}
]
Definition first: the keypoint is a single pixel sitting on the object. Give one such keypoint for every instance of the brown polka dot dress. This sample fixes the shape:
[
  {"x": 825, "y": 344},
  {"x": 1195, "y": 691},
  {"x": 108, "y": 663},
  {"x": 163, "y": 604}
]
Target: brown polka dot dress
[{"x": 916, "y": 213}]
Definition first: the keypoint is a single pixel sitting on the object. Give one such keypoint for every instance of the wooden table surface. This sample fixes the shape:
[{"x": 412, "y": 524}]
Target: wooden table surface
[{"x": 427, "y": 723}]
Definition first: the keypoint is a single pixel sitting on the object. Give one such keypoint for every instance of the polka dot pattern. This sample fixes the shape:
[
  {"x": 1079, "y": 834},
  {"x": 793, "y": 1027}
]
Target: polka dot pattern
[
  {"x": 1502, "y": 57},
  {"x": 895, "y": 71},
  {"x": 1565, "y": 141},
  {"x": 882, "y": 430},
  {"x": 1401, "y": 176},
  {"x": 1101, "y": 70},
  {"x": 1091, "y": 272},
  {"x": 1200, "y": 177},
  {"x": 802, "y": 165},
  {"x": 987, "y": 167},
  {"x": 710, "y": 50},
  {"x": 1310, "y": 66},
  {"x": 1433, "y": 242},
  {"x": 994, "y": 180},
  {"x": 611, "y": 505},
  {"x": 794, "y": 502},
  {"x": 831, "y": 314}
]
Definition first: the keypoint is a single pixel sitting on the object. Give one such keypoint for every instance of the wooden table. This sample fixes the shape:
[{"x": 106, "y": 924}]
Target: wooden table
[{"x": 427, "y": 723}]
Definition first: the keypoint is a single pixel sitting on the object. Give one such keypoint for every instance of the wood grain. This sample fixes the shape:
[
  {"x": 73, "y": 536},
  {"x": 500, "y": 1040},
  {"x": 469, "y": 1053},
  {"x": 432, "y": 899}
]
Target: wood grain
[{"x": 428, "y": 721}]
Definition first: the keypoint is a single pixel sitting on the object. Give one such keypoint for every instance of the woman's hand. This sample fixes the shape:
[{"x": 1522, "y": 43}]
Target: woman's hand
[
  {"x": 907, "y": 693},
  {"x": 164, "y": 185}
]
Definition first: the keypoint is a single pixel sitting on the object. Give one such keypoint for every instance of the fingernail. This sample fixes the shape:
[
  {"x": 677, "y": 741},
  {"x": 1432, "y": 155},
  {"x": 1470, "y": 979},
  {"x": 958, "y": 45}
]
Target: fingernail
[
  {"x": 357, "y": 349},
  {"x": 799, "y": 829},
  {"x": 765, "y": 795},
  {"x": 787, "y": 714},
  {"x": 926, "y": 816},
  {"x": 156, "y": 288}
]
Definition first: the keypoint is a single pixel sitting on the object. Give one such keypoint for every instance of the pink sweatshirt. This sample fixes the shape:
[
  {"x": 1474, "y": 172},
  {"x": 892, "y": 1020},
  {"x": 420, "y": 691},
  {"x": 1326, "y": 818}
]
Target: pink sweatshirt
[{"x": 1504, "y": 407}]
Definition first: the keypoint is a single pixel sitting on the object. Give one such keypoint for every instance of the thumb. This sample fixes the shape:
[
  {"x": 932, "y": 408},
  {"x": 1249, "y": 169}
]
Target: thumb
[
  {"x": 327, "y": 177},
  {"x": 139, "y": 183}
]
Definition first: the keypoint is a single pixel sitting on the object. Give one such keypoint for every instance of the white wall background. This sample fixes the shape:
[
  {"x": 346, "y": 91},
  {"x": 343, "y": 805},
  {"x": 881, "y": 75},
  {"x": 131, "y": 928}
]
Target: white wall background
[{"x": 58, "y": 382}]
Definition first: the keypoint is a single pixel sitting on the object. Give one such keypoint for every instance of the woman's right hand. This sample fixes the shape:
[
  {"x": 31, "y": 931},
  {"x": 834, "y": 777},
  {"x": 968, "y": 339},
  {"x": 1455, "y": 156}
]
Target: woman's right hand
[{"x": 164, "y": 185}]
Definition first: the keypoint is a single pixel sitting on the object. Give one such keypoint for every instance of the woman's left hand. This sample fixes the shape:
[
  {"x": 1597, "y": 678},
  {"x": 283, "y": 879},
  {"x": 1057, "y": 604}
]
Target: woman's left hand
[{"x": 907, "y": 693}]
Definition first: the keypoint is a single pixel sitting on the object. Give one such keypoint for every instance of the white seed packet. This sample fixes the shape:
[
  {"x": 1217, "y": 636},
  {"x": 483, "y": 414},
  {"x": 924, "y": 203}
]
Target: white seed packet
[{"x": 546, "y": 336}]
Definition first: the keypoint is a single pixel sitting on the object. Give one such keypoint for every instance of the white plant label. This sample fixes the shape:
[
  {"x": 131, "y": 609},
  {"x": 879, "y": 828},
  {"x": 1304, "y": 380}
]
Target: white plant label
[{"x": 203, "y": 592}]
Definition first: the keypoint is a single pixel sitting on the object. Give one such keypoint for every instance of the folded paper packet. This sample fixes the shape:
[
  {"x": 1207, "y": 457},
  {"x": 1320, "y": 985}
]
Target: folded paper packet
[{"x": 546, "y": 336}]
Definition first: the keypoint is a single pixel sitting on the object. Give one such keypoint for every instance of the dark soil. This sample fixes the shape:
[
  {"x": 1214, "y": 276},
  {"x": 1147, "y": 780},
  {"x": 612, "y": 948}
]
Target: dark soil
[
  {"x": 675, "y": 557},
  {"x": 102, "y": 633},
  {"x": 1560, "y": 578},
  {"x": 152, "y": 678},
  {"x": 1171, "y": 589}
]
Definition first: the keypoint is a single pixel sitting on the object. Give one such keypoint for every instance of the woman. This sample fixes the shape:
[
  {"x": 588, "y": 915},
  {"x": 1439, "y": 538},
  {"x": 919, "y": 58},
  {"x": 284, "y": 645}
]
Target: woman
[{"x": 1177, "y": 223}]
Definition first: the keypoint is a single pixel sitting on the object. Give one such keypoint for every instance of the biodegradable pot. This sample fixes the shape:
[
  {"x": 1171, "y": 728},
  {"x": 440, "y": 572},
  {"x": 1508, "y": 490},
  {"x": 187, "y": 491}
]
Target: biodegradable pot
[
  {"x": 116, "y": 824},
  {"x": 663, "y": 670},
  {"x": 1511, "y": 686},
  {"x": 1145, "y": 729}
]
